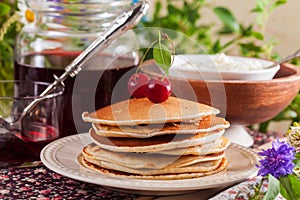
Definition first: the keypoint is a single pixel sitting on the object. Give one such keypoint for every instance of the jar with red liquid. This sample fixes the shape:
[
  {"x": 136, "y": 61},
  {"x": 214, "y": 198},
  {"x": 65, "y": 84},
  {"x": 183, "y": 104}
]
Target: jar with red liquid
[
  {"x": 37, "y": 128},
  {"x": 55, "y": 32}
]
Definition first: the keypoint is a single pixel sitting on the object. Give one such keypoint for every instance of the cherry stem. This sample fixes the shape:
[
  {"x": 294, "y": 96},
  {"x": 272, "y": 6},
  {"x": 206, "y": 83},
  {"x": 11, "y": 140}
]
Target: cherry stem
[
  {"x": 165, "y": 36},
  {"x": 144, "y": 56}
]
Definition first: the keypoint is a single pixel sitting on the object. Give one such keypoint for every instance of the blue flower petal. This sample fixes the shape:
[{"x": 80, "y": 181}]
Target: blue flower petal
[{"x": 278, "y": 160}]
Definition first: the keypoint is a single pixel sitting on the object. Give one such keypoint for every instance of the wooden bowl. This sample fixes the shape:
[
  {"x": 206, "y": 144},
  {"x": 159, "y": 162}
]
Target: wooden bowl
[{"x": 241, "y": 102}]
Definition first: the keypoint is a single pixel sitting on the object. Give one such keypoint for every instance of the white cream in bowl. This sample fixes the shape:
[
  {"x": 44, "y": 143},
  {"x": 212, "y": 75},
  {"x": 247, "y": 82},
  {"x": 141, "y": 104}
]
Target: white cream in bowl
[{"x": 221, "y": 67}]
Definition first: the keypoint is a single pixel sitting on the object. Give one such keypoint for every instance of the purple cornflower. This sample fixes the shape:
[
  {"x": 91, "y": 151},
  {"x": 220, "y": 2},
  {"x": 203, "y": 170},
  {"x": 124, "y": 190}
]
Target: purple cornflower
[{"x": 278, "y": 160}]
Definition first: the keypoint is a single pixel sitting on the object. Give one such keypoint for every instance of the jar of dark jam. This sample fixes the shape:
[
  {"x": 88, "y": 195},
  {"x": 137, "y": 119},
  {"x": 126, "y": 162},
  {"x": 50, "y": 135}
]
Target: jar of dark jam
[{"x": 57, "y": 32}]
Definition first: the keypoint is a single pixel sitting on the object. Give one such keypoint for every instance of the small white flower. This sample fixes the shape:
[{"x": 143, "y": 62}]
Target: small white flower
[{"x": 27, "y": 15}]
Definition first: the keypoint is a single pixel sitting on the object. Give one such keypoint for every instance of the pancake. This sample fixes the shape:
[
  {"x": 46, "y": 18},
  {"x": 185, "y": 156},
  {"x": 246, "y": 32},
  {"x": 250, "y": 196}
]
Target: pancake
[
  {"x": 206, "y": 124},
  {"x": 156, "y": 143},
  {"x": 143, "y": 111},
  {"x": 197, "y": 167},
  {"x": 175, "y": 139},
  {"x": 209, "y": 148},
  {"x": 221, "y": 167},
  {"x": 97, "y": 155}
]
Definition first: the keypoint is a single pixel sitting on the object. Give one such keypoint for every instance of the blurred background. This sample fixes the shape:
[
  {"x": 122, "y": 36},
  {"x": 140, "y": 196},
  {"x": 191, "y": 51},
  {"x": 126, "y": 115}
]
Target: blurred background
[{"x": 281, "y": 24}]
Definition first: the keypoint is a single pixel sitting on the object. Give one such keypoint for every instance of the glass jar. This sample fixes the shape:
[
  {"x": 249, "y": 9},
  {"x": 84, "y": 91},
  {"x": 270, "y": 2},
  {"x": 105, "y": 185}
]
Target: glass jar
[{"x": 59, "y": 32}]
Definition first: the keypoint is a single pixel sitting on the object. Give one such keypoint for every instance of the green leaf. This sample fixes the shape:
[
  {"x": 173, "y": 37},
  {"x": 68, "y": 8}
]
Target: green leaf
[
  {"x": 283, "y": 191},
  {"x": 247, "y": 48},
  {"x": 192, "y": 11},
  {"x": 297, "y": 163},
  {"x": 257, "y": 10},
  {"x": 227, "y": 18},
  {"x": 279, "y": 3},
  {"x": 216, "y": 47},
  {"x": 263, "y": 127},
  {"x": 173, "y": 10},
  {"x": 225, "y": 31},
  {"x": 162, "y": 56},
  {"x": 295, "y": 185},
  {"x": 273, "y": 188},
  {"x": 258, "y": 35},
  {"x": 260, "y": 5},
  {"x": 290, "y": 187},
  {"x": 4, "y": 9},
  {"x": 157, "y": 9}
]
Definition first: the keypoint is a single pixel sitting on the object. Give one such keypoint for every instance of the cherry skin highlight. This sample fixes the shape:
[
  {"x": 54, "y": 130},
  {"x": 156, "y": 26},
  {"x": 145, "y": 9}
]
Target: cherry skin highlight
[
  {"x": 158, "y": 90},
  {"x": 137, "y": 84}
]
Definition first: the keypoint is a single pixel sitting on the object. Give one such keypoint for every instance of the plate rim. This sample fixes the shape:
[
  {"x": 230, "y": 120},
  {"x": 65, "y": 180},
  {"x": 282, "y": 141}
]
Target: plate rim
[{"x": 50, "y": 151}]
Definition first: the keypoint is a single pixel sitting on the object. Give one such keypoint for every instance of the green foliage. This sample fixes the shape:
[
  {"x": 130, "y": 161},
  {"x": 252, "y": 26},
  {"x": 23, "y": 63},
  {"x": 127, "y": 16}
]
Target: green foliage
[
  {"x": 182, "y": 18},
  {"x": 291, "y": 112},
  {"x": 289, "y": 187},
  {"x": 229, "y": 21},
  {"x": 263, "y": 9},
  {"x": 4, "y": 9},
  {"x": 161, "y": 50},
  {"x": 162, "y": 56},
  {"x": 186, "y": 17},
  {"x": 9, "y": 28},
  {"x": 273, "y": 188}
]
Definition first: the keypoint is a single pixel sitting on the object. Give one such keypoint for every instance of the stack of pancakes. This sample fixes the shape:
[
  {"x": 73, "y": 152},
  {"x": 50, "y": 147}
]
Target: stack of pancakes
[{"x": 175, "y": 139}]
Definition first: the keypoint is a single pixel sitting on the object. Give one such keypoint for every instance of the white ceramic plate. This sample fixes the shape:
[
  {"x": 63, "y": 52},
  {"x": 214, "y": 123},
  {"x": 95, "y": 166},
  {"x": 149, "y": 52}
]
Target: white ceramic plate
[{"x": 61, "y": 156}]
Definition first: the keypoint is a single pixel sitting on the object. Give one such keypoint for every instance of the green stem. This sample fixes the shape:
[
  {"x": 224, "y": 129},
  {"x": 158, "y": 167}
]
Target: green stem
[
  {"x": 12, "y": 19},
  {"x": 144, "y": 56},
  {"x": 263, "y": 127},
  {"x": 229, "y": 43},
  {"x": 160, "y": 38},
  {"x": 173, "y": 50},
  {"x": 256, "y": 195}
]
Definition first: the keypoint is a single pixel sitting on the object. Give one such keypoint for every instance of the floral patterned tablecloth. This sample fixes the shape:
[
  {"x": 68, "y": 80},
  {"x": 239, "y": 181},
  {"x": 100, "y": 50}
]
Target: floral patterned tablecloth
[
  {"x": 243, "y": 190},
  {"x": 41, "y": 183}
]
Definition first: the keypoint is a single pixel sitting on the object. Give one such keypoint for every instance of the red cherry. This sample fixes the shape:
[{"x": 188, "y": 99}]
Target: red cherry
[
  {"x": 137, "y": 84},
  {"x": 158, "y": 90}
]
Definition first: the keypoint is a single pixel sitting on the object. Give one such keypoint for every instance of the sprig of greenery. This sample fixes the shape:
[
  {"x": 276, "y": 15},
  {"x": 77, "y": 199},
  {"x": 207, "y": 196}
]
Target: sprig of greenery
[
  {"x": 185, "y": 17},
  {"x": 162, "y": 54},
  {"x": 264, "y": 8},
  {"x": 181, "y": 16},
  {"x": 287, "y": 186},
  {"x": 9, "y": 28}
]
